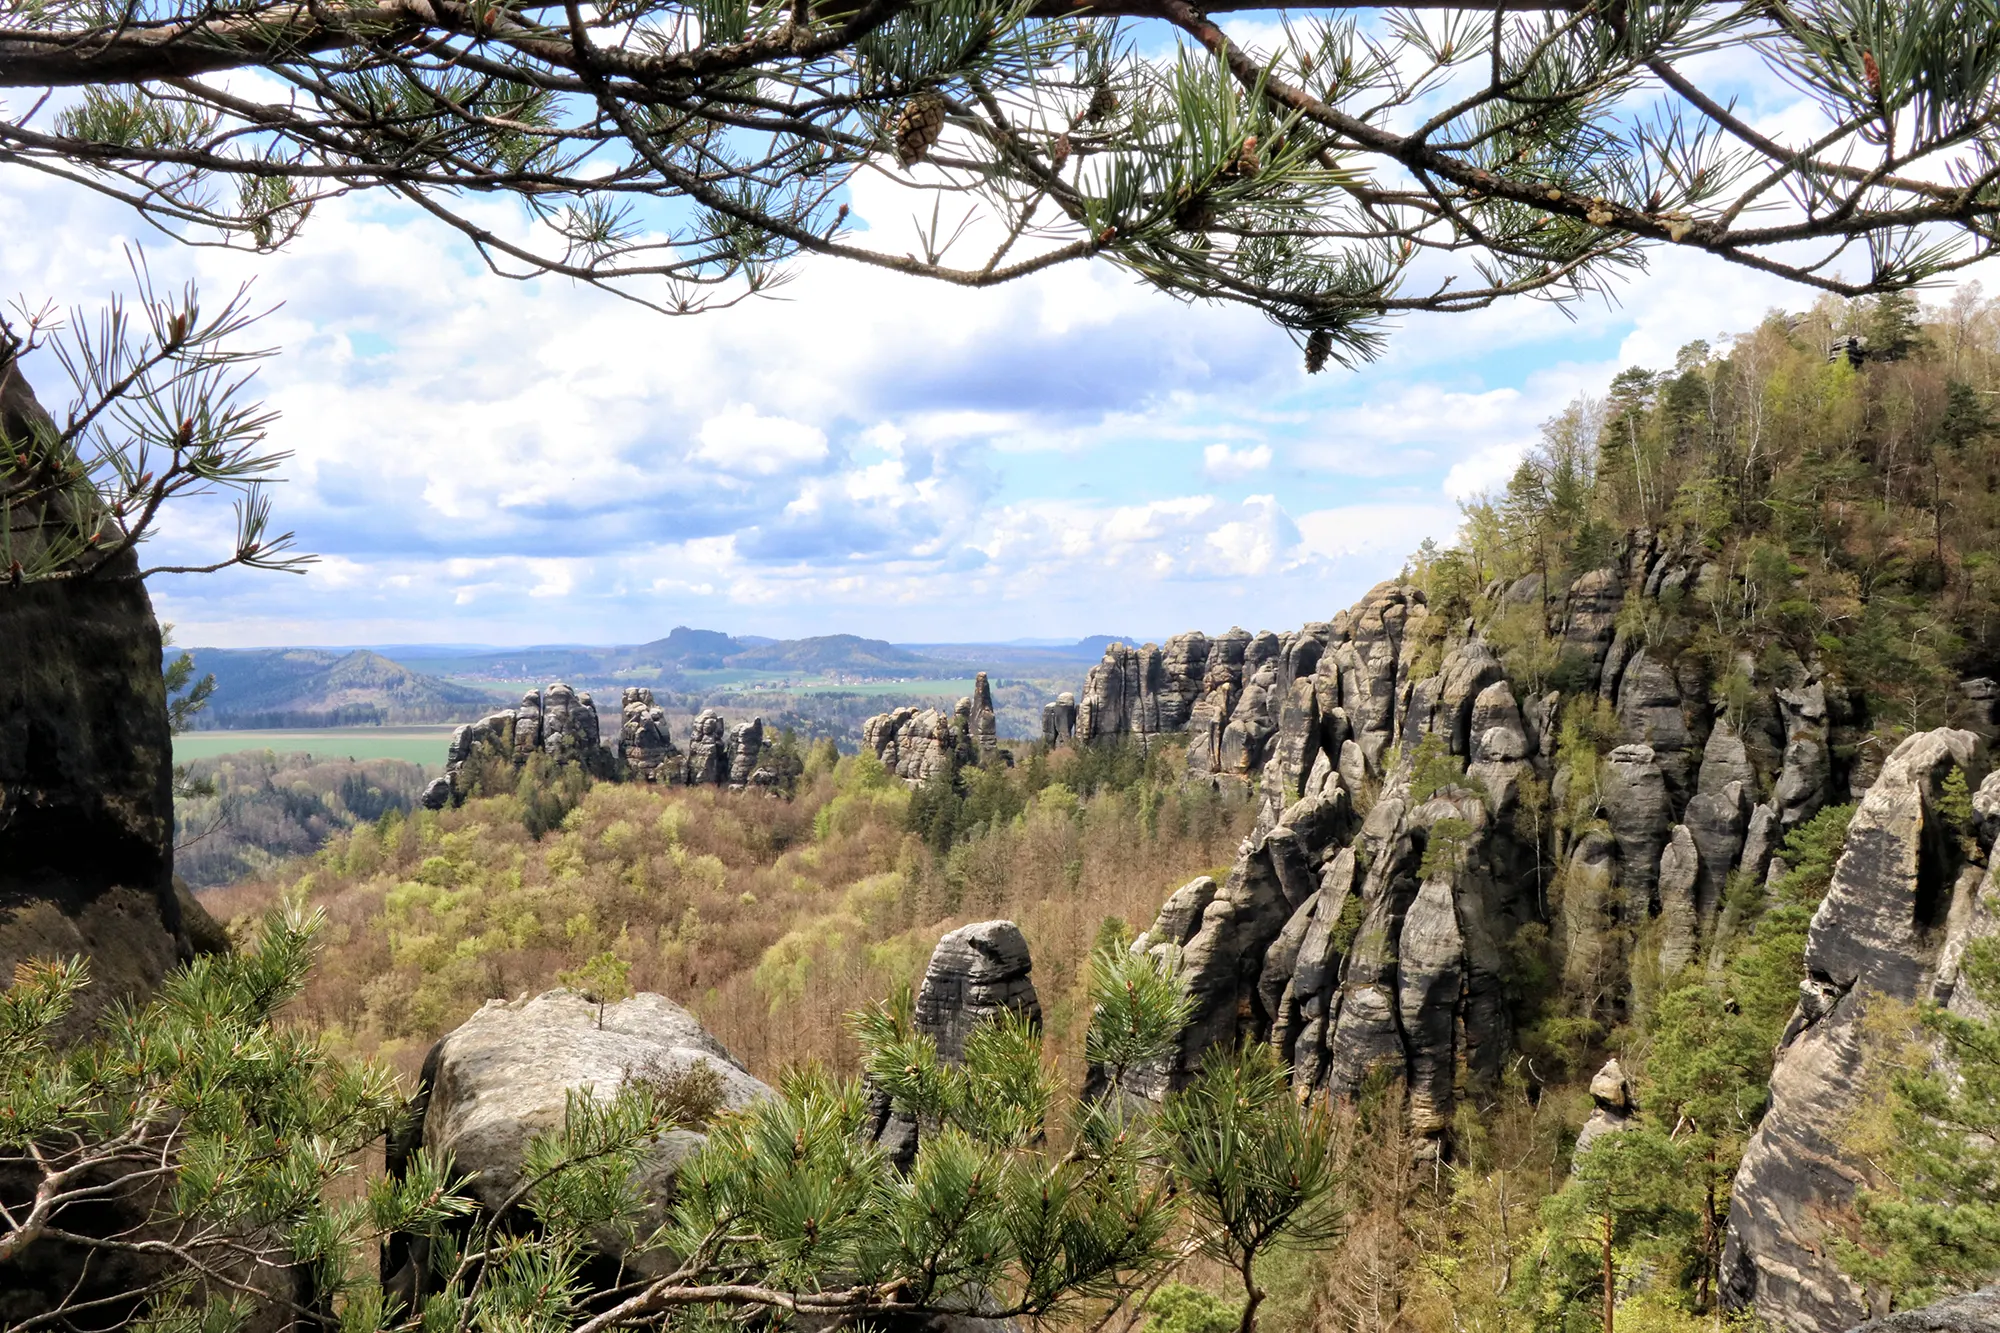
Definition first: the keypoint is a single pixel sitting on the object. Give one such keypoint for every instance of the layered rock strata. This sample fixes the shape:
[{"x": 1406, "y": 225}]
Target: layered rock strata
[{"x": 1905, "y": 898}]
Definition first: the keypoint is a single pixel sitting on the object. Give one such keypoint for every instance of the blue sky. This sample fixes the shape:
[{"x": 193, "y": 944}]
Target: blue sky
[{"x": 480, "y": 460}]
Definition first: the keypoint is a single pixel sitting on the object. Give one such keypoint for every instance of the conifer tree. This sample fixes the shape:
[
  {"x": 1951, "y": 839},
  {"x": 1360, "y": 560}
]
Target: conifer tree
[
  {"x": 230, "y": 1139},
  {"x": 1935, "y": 1227}
]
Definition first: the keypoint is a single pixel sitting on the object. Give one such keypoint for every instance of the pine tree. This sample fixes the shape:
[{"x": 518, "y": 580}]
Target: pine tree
[
  {"x": 1936, "y": 1227},
  {"x": 237, "y": 1139}
]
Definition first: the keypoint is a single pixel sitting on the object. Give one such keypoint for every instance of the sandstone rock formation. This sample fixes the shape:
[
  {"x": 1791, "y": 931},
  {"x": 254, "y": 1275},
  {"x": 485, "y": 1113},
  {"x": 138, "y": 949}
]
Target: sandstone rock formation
[
  {"x": 504, "y": 1076},
  {"x": 708, "y": 751},
  {"x": 86, "y": 811},
  {"x": 915, "y": 744},
  {"x": 1367, "y": 923},
  {"x": 1611, "y": 1108},
  {"x": 556, "y": 721},
  {"x": 919, "y": 745},
  {"x": 746, "y": 742},
  {"x": 1902, "y": 897},
  {"x": 645, "y": 740},
  {"x": 1144, "y": 691},
  {"x": 976, "y": 973},
  {"x": 1059, "y": 719}
]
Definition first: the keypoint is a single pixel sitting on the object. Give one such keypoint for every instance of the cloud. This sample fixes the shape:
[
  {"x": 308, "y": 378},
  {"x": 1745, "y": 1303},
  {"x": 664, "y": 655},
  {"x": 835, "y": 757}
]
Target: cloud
[
  {"x": 1221, "y": 463},
  {"x": 743, "y": 441},
  {"x": 495, "y": 462}
]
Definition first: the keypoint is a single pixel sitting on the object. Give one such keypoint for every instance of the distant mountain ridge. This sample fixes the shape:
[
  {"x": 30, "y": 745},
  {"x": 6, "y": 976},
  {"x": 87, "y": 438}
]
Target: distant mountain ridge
[
  {"x": 661, "y": 661},
  {"x": 318, "y": 687},
  {"x": 335, "y": 687}
]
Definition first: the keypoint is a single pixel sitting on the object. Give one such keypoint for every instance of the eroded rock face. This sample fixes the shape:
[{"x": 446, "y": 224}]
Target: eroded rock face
[
  {"x": 746, "y": 742},
  {"x": 86, "y": 810},
  {"x": 1639, "y": 810},
  {"x": 917, "y": 745},
  {"x": 1880, "y": 933},
  {"x": 708, "y": 751},
  {"x": 976, "y": 973},
  {"x": 646, "y": 739},
  {"x": 1143, "y": 691},
  {"x": 983, "y": 729}
]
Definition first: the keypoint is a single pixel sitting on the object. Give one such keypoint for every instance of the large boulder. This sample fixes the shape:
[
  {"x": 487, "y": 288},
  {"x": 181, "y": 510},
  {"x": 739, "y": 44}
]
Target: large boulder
[
  {"x": 1878, "y": 935},
  {"x": 504, "y": 1076}
]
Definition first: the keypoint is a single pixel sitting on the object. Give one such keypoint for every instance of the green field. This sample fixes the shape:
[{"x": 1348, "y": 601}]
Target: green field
[
  {"x": 925, "y": 689},
  {"x": 872, "y": 689},
  {"x": 419, "y": 745}
]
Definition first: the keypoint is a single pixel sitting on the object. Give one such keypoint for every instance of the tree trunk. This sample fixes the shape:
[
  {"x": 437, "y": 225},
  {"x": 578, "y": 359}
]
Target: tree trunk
[
  {"x": 86, "y": 767},
  {"x": 1610, "y": 1278}
]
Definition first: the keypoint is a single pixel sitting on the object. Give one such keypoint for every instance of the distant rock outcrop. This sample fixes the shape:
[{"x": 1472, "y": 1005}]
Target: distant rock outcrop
[
  {"x": 558, "y": 722},
  {"x": 922, "y": 745},
  {"x": 646, "y": 740},
  {"x": 976, "y": 973},
  {"x": 563, "y": 724}
]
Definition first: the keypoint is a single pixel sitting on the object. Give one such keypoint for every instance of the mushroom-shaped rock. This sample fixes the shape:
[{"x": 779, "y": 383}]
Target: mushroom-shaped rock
[{"x": 1611, "y": 1111}]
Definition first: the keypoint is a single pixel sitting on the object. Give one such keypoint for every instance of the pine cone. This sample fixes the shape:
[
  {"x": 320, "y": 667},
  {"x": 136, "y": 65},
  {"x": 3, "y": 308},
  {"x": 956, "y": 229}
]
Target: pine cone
[
  {"x": 1248, "y": 163},
  {"x": 1319, "y": 345},
  {"x": 1059, "y": 153},
  {"x": 1102, "y": 102},
  {"x": 918, "y": 127}
]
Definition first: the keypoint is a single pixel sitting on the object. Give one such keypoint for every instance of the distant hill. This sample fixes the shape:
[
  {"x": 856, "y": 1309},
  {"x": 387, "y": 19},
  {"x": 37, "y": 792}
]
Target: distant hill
[
  {"x": 840, "y": 653},
  {"x": 665, "y": 662},
  {"x": 318, "y": 687},
  {"x": 1023, "y": 656}
]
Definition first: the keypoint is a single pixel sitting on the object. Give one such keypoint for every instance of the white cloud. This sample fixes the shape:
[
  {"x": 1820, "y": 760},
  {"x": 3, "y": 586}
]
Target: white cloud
[
  {"x": 1221, "y": 463},
  {"x": 532, "y": 462},
  {"x": 1487, "y": 470},
  {"x": 744, "y": 441}
]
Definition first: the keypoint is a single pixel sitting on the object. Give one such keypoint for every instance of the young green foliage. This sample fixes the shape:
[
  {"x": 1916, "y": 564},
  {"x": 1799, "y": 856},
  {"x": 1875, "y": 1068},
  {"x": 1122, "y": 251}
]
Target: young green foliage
[{"x": 1936, "y": 1228}]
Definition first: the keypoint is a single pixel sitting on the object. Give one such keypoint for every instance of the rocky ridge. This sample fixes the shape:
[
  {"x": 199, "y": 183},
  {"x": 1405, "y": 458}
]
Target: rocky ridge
[
  {"x": 1908, "y": 893},
  {"x": 563, "y": 724},
  {"x": 1403, "y": 841},
  {"x": 922, "y": 745}
]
